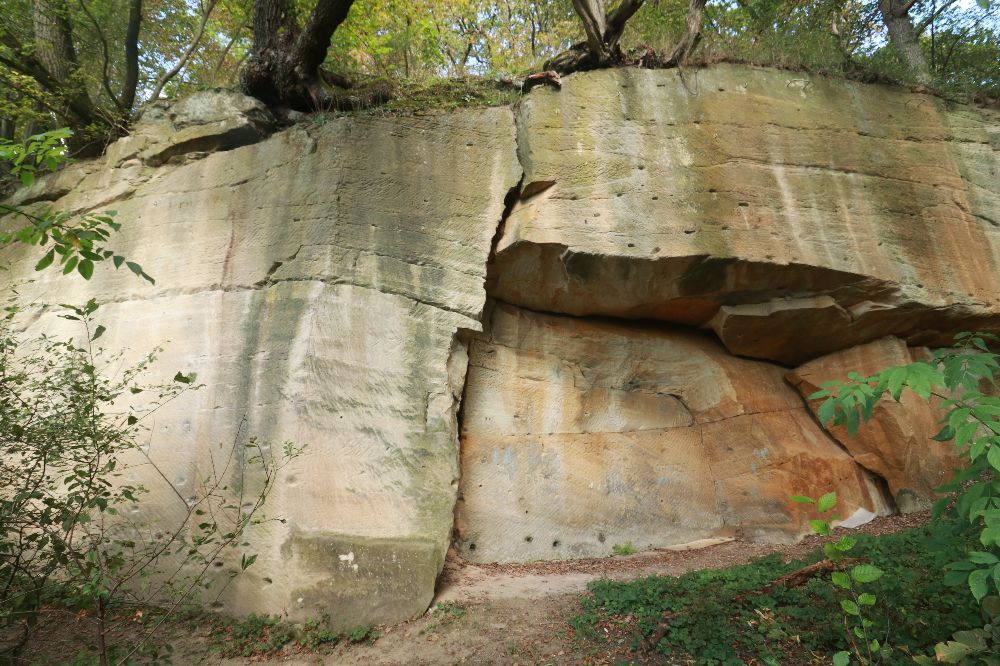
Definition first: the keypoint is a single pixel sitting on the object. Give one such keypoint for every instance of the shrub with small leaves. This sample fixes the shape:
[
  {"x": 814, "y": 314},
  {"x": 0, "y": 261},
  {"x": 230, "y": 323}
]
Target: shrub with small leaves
[
  {"x": 856, "y": 604},
  {"x": 76, "y": 240},
  {"x": 963, "y": 379}
]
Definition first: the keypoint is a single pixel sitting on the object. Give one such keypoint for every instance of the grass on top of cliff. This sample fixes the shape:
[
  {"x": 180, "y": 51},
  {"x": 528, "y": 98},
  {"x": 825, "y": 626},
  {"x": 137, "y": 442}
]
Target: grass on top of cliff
[
  {"x": 409, "y": 97},
  {"x": 719, "y": 617}
]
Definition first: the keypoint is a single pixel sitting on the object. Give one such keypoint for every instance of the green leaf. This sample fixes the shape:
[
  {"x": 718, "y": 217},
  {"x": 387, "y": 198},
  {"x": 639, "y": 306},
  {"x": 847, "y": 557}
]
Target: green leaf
[
  {"x": 86, "y": 268},
  {"x": 983, "y": 4},
  {"x": 801, "y": 499},
  {"x": 945, "y": 434},
  {"x": 977, "y": 583},
  {"x": 820, "y": 526},
  {"x": 247, "y": 561},
  {"x": 866, "y": 599},
  {"x": 98, "y": 332},
  {"x": 826, "y": 411},
  {"x": 895, "y": 380},
  {"x": 850, "y": 607},
  {"x": 842, "y": 659},
  {"x": 866, "y": 573},
  {"x": 953, "y": 652},
  {"x": 45, "y": 261},
  {"x": 993, "y": 456},
  {"x": 840, "y": 579},
  {"x": 826, "y": 502},
  {"x": 70, "y": 265},
  {"x": 980, "y": 557}
]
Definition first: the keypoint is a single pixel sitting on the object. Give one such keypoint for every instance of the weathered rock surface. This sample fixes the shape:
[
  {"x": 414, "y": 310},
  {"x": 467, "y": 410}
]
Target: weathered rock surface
[
  {"x": 896, "y": 444},
  {"x": 325, "y": 283},
  {"x": 580, "y": 434},
  {"x": 794, "y": 215},
  {"x": 206, "y": 121},
  {"x": 315, "y": 281}
]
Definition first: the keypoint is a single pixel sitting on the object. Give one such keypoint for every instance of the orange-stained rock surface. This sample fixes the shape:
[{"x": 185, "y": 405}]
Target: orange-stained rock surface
[
  {"x": 896, "y": 443},
  {"x": 580, "y": 434},
  {"x": 793, "y": 214}
]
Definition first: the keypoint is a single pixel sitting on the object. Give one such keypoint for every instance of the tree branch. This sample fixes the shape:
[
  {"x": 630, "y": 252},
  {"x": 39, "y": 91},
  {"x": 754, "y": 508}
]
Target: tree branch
[
  {"x": 692, "y": 34},
  {"x": 313, "y": 42},
  {"x": 592, "y": 14},
  {"x": 132, "y": 55},
  {"x": 105, "y": 81},
  {"x": 173, "y": 71},
  {"x": 618, "y": 18},
  {"x": 920, "y": 27}
]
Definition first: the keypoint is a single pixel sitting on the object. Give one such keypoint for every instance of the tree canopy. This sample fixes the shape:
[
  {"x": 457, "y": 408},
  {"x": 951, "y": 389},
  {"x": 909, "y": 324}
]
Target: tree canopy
[{"x": 91, "y": 64}]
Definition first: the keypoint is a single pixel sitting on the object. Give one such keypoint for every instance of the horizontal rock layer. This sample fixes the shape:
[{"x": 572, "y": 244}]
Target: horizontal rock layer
[{"x": 792, "y": 215}]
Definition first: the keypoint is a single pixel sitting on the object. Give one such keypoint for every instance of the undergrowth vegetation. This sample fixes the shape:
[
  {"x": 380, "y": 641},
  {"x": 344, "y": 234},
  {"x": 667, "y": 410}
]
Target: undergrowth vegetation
[{"x": 719, "y": 617}]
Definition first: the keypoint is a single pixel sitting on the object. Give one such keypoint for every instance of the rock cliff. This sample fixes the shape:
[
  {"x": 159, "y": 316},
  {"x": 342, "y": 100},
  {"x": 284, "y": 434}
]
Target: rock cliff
[{"x": 539, "y": 332}]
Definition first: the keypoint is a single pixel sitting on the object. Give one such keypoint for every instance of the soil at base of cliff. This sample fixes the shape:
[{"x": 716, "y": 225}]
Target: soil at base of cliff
[{"x": 486, "y": 614}]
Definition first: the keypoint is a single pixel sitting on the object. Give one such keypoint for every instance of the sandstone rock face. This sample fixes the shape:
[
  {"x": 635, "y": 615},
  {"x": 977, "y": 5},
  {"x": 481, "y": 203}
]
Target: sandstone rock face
[
  {"x": 578, "y": 435},
  {"x": 315, "y": 281},
  {"x": 761, "y": 204},
  {"x": 206, "y": 121},
  {"x": 328, "y": 284},
  {"x": 896, "y": 444}
]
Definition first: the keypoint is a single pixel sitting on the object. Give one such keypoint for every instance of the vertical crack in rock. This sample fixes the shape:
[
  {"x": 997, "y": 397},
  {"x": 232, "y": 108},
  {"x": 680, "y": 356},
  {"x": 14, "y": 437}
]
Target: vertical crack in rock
[
  {"x": 509, "y": 200},
  {"x": 463, "y": 337},
  {"x": 879, "y": 480}
]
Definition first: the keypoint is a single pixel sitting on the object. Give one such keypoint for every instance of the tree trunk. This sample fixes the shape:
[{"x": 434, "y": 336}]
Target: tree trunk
[
  {"x": 54, "y": 39},
  {"x": 604, "y": 31},
  {"x": 692, "y": 34},
  {"x": 904, "y": 38},
  {"x": 284, "y": 65},
  {"x": 131, "y": 83},
  {"x": 594, "y": 18}
]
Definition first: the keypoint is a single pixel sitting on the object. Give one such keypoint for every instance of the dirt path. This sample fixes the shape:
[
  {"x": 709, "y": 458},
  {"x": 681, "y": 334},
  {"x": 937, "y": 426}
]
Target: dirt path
[{"x": 518, "y": 614}]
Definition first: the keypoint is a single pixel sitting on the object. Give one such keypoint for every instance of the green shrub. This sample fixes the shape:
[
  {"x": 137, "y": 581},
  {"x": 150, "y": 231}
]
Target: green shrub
[{"x": 714, "y": 627}]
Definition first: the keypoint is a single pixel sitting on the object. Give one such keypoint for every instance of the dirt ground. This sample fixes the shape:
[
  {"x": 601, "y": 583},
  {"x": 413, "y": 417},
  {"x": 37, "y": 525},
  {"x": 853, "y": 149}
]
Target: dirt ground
[
  {"x": 517, "y": 614},
  {"x": 489, "y": 614}
]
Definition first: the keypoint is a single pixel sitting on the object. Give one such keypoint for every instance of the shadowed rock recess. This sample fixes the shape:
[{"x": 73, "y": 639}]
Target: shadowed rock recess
[{"x": 659, "y": 257}]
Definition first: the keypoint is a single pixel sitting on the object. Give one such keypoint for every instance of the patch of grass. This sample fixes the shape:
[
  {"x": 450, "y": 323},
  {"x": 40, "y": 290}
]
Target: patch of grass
[
  {"x": 364, "y": 634},
  {"x": 449, "y": 610},
  {"x": 721, "y": 621},
  {"x": 263, "y": 635},
  {"x": 622, "y": 549},
  {"x": 253, "y": 636},
  {"x": 408, "y": 98}
]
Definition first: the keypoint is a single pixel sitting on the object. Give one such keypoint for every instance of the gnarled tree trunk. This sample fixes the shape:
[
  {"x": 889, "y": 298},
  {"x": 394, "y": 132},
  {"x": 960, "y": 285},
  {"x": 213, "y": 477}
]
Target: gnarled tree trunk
[
  {"x": 284, "y": 65},
  {"x": 692, "y": 34},
  {"x": 905, "y": 38},
  {"x": 604, "y": 31}
]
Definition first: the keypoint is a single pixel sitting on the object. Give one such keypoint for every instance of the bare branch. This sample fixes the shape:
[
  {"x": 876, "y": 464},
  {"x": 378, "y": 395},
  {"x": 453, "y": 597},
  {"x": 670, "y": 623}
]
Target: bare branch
[
  {"x": 105, "y": 81},
  {"x": 313, "y": 42},
  {"x": 923, "y": 25},
  {"x": 132, "y": 55},
  {"x": 182, "y": 61}
]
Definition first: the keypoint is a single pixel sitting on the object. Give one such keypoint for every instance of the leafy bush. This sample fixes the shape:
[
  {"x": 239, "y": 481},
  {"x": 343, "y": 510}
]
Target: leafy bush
[
  {"x": 964, "y": 379},
  {"x": 70, "y": 420},
  {"x": 722, "y": 619}
]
